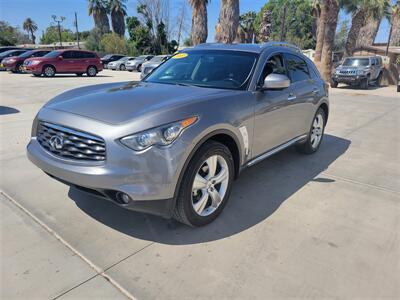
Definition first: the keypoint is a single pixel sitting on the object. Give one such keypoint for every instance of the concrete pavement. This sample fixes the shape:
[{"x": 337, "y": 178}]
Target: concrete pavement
[{"x": 320, "y": 226}]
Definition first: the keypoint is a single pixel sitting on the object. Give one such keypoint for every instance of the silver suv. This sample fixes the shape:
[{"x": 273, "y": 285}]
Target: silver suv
[
  {"x": 359, "y": 71},
  {"x": 173, "y": 143}
]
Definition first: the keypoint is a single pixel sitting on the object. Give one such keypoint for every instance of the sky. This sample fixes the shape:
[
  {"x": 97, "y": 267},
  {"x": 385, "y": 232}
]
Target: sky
[{"x": 16, "y": 11}]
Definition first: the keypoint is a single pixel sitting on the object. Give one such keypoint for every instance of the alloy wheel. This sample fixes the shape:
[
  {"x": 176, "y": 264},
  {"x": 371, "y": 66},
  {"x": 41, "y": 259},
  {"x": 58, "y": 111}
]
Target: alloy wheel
[
  {"x": 49, "y": 72},
  {"x": 317, "y": 130},
  {"x": 91, "y": 71},
  {"x": 210, "y": 185}
]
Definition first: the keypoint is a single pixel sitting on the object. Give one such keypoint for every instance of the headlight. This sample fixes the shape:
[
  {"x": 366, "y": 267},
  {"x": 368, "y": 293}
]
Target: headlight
[
  {"x": 35, "y": 62},
  {"x": 161, "y": 136},
  {"x": 12, "y": 60}
]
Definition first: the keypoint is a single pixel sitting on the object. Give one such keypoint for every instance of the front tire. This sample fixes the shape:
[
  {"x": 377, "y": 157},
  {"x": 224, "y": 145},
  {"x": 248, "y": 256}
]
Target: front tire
[
  {"x": 315, "y": 135},
  {"x": 379, "y": 80},
  {"x": 122, "y": 67},
  {"x": 205, "y": 186},
  {"x": 49, "y": 71},
  {"x": 139, "y": 68},
  {"x": 364, "y": 84},
  {"x": 334, "y": 84}
]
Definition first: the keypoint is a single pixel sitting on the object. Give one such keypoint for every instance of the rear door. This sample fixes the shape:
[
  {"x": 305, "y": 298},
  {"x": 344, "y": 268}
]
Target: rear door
[
  {"x": 305, "y": 90},
  {"x": 68, "y": 64}
]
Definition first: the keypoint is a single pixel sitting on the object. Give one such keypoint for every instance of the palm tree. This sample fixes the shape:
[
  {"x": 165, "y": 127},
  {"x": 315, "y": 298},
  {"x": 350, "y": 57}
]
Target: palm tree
[
  {"x": 332, "y": 15},
  {"x": 265, "y": 30},
  {"x": 98, "y": 9},
  {"x": 118, "y": 13},
  {"x": 199, "y": 21},
  {"x": 246, "y": 31},
  {"x": 30, "y": 26},
  {"x": 377, "y": 10},
  {"x": 227, "y": 26},
  {"x": 395, "y": 25},
  {"x": 322, "y": 7},
  {"x": 366, "y": 17}
]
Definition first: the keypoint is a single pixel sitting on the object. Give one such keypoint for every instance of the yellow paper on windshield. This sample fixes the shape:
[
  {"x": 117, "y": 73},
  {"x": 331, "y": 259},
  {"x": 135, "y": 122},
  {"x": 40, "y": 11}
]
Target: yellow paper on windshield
[{"x": 180, "y": 55}]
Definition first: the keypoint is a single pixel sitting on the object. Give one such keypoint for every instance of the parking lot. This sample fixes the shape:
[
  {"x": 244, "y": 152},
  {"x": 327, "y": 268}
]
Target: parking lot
[{"x": 319, "y": 226}]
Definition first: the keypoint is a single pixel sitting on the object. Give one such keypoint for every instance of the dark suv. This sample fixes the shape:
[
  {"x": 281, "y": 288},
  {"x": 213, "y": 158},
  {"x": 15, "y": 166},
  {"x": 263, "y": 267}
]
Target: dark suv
[
  {"x": 15, "y": 63},
  {"x": 65, "y": 61},
  {"x": 359, "y": 71},
  {"x": 106, "y": 59}
]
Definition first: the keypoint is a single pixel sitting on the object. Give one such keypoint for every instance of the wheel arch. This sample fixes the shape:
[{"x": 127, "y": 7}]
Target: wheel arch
[
  {"x": 324, "y": 106},
  {"x": 223, "y": 136}
]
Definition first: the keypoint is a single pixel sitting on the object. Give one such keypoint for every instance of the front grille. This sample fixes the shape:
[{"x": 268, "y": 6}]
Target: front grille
[
  {"x": 348, "y": 72},
  {"x": 70, "y": 144}
]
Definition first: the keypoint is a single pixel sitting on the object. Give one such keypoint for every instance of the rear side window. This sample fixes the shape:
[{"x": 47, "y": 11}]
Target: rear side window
[
  {"x": 87, "y": 55},
  {"x": 68, "y": 54},
  {"x": 297, "y": 68}
]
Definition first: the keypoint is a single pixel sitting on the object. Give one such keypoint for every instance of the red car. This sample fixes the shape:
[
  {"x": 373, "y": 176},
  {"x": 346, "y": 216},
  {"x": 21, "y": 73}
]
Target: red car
[
  {"x": 65, "y": 61},
  {"x": 15, "y": 63}
]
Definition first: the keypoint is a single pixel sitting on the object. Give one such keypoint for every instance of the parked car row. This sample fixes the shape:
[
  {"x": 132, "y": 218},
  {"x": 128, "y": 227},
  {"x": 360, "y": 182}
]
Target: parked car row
[{"x": 47, "y": 63}]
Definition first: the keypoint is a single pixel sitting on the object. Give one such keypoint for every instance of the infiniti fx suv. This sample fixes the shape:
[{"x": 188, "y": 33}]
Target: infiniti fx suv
[{"x": 172, "y": 144}]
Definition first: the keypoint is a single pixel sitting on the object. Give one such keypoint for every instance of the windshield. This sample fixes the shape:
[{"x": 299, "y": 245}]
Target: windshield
[
  {"x": 53, "y": 54},
  {"x": 27, "y": 54},
  {"x": 356, "y": 62},
  {"x": 157, "y": 58},
  {"x": 5, "y": 53},
  {"x": 124, "y": 58},
  {"x": 207, "y": 68},
  {"x": 107, "y": 56}
]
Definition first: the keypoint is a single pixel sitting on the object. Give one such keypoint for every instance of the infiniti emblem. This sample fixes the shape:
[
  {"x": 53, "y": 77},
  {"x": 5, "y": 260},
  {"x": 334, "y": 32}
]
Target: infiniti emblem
[{"x": 56, "y": 142}]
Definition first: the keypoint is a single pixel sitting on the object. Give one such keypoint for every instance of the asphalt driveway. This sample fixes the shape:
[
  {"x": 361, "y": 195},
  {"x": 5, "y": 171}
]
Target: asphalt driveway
[{"x": 320, "y": 226}]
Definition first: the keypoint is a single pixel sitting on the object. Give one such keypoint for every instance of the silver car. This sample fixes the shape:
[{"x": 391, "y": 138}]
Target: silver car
[
  {"x": 120, "y": 64},
  {"x": 136, "y": 64},
  {"x": 153, "y": 63},
  {"x": 173, "y": 143}
]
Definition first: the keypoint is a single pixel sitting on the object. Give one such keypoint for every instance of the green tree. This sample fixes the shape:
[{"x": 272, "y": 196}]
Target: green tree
[
  {"x": 50, "y": 35},
  {"x": 291, "y": 21},
  {"x": 30, "y": 26},
  {"x": 93, "y": 39},
  {"x": 139, "y": 34},
  {"x": 7, "y": 34},
  {"x": 246, "y": 27},
  {"x": 113, "y": 43}
]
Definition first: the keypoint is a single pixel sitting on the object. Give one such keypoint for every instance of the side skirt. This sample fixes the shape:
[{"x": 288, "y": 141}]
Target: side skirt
[{"x": 274, "y": 150}]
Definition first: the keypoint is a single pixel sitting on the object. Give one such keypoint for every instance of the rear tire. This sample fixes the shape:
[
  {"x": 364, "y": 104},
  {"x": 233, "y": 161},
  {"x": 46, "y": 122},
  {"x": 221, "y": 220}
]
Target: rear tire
[
  {"x": 315, "y": 135},
  {"x": 91, "y": 71},
  {"x": 49, "y": 71},
  {"x": 202, "y": 205},
  {"x": 122, "y": 67}
]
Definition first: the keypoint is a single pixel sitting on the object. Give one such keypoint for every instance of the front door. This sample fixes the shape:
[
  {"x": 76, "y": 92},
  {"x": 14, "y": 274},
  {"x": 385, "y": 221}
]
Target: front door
[{"x": 271, "y": 124}]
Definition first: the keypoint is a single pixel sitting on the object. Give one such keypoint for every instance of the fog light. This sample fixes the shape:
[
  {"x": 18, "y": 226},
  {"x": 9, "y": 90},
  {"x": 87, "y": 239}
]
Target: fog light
[{"x": 123, "y": 198}]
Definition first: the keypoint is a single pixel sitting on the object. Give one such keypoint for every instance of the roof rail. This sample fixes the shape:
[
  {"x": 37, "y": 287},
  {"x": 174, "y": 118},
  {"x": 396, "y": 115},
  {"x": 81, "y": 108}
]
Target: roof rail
[{"x": 282, "y": 44}]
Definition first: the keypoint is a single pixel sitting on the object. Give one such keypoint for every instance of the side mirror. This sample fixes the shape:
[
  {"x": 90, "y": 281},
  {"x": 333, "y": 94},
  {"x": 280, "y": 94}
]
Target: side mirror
[{"x": 275, "y": 82}]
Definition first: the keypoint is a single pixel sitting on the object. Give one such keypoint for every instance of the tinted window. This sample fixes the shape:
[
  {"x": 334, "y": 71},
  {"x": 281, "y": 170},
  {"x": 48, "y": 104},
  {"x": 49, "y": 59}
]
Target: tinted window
[
  {"x": 68, "y": 55},
  {"x": 297, "y": 68},
  {"x": 53, "y": 54},
  {"x": 356, "y": 62},
  {"x": 207, "y": 68},
  {"x": 27, "y": 54}
]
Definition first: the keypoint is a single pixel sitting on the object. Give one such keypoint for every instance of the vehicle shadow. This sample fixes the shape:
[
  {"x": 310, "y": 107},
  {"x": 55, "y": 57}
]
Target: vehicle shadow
[
  {"x": 371, "y": 87},
  {"x": 6, "y": 110},
  {"x": 69, "y": 76},
  {"x": 256, "y": 195}
]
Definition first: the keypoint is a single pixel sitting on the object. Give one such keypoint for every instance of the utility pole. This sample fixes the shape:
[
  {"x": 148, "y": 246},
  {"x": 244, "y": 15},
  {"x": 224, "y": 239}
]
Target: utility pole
[
  {"x": 58, "y": 20},
  {"x": 77, "y": 30}
]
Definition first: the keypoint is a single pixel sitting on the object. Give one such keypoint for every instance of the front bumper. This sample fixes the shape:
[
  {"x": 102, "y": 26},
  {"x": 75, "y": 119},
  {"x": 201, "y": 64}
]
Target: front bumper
[
  {"x": 148, "y": 177},
  {"x": 33, "y": 69},
  {"x": 349, "y": 79}
]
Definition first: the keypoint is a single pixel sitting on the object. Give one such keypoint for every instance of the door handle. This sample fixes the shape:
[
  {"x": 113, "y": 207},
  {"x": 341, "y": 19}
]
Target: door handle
[{"x": 291, "y": 97}]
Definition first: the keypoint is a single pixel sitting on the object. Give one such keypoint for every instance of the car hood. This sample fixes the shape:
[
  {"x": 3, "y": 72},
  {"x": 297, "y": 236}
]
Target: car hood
[{"x": 117, "y": 103}]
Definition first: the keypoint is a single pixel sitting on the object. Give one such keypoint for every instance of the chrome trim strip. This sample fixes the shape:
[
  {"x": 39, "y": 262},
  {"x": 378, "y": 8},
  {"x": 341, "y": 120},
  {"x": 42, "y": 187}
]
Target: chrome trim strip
[
  {"x": 275, "y": 150},
  {"x": 74, "y": 132}
]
